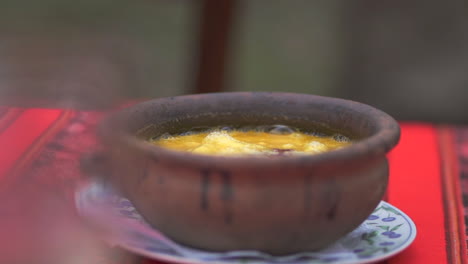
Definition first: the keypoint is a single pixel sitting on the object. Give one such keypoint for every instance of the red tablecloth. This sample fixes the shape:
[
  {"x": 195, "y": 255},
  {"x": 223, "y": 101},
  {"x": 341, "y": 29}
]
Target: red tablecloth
[{"x": 39, "y": 171}]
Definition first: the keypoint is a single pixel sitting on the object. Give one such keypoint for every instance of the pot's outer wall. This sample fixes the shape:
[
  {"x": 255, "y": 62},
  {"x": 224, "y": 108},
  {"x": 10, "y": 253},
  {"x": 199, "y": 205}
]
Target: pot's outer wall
[{"x": 275, "y": 205}]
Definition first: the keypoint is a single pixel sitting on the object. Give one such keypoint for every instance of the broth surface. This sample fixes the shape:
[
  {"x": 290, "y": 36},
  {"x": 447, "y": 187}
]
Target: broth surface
[{"x": 277, "y": 140}]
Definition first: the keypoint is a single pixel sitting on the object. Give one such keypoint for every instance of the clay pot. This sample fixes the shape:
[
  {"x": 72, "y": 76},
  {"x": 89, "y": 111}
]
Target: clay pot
[{"x": 278, "y": 205}]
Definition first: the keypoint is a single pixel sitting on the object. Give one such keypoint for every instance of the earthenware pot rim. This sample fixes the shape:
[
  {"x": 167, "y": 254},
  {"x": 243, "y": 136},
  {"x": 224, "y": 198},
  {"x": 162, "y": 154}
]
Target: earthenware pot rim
[{"x": 378, "y": 144}]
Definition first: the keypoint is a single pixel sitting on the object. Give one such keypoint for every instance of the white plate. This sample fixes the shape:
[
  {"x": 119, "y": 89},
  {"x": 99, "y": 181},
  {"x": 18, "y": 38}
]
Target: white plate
[{"x": 385, "y": 233}]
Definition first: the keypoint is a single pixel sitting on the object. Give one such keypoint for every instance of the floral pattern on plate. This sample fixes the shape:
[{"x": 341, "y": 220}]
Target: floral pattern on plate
[{"x": 386, "y": 232}]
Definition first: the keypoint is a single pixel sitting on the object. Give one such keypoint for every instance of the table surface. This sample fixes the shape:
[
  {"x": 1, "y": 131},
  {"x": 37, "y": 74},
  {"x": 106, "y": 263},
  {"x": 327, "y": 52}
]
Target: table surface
[{"x": 39, "y": 171}]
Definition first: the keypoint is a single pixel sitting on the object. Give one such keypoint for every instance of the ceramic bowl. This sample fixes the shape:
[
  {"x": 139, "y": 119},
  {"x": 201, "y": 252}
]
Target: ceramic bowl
[{"x": 278, "y": 205}]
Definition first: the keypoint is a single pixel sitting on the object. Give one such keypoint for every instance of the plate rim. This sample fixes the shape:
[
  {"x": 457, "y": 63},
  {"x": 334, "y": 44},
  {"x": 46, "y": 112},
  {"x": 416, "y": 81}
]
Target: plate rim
[{"x": 186, "y": 260}]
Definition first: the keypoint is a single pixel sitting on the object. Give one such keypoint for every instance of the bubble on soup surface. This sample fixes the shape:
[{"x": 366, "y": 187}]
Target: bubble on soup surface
[
  {"x": 280, "y": 130},
  {"x": 187, "y": 133},
  {"x": 341, "y": 138},
  {"x": 317, "y": 134},
  {"x": 165, "y": 136}
]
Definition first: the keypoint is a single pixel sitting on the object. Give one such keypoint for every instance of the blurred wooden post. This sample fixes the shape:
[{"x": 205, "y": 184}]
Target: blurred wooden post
[{"x": 215, "y": 29}]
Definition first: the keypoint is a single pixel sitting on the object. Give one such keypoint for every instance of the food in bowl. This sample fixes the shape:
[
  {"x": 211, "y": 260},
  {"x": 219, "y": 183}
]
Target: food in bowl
[
  {"x": 276, "y": 140},
  {"x": 250, "y": 202}
]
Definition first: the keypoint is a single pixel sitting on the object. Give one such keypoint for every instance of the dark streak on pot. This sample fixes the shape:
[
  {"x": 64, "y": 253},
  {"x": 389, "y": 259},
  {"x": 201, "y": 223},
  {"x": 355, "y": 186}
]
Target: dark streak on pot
[
  {"x": 332, "y": 198},
  {"x": 332, "y": 211},
  {"x": 307, "y": 194},
  {"x": 144, "y": 171},
  {"x": 205, "y": 187}
]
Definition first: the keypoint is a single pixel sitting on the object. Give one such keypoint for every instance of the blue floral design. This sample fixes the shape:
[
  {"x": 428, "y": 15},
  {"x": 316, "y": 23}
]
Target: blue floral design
[{"x": 372, "y": 217}]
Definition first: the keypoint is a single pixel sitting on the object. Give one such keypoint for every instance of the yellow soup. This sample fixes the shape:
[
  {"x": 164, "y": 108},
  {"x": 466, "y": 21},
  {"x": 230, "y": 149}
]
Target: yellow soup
[{"x": 282, "y": 141}]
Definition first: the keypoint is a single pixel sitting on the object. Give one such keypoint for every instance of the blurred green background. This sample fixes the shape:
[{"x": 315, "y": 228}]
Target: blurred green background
[
  {"x": 276, "y": 45},
  {"x": 406, "y": 58}
]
